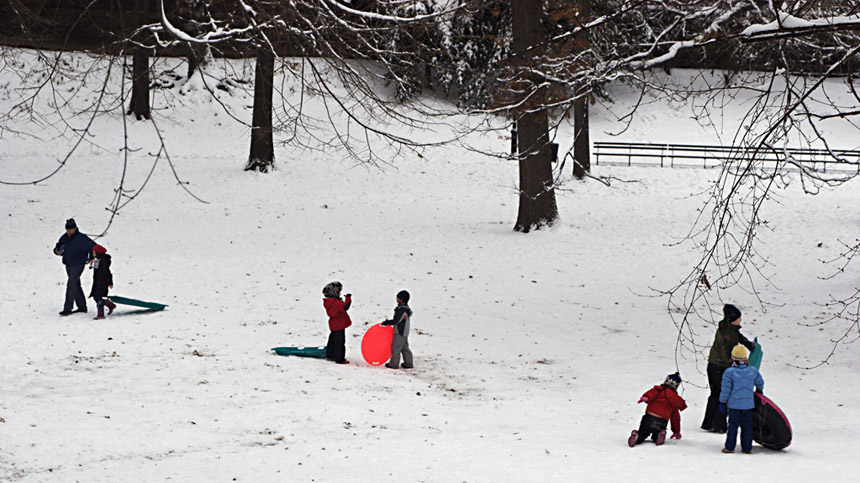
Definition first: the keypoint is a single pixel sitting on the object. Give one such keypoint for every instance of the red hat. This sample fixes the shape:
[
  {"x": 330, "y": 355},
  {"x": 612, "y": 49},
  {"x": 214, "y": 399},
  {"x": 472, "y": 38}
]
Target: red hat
[{"x": 99, "y": 249}]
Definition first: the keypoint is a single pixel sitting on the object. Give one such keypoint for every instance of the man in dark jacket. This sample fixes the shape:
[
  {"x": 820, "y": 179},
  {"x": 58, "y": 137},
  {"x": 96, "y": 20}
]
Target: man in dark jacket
[
  {"x": 400, "y": 342},
  {"x": 719, "y": 359},
  {"x": 76, "y": 250}
]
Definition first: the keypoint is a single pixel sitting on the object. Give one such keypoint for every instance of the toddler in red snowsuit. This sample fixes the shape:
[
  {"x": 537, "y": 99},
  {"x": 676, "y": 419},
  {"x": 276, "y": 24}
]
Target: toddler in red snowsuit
[
  {"x": 664, "y": 405},
  {"x": 338, "y": 321}
]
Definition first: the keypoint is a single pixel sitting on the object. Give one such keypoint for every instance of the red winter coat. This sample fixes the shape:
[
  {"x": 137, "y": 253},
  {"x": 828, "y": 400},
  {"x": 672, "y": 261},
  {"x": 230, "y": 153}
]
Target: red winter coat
[
  {"x": 665, "y": 403},
  {"x": 336, "y": 309}
]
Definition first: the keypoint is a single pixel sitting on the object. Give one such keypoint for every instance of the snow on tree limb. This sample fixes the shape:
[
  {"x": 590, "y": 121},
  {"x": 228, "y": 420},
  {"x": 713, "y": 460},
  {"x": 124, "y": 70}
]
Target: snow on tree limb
[
  {"x": 217, "y": 35},
  {"x": 787, "y": 22},
  {"x": 391, "y": 18},
  {"x": 673, "y": 51}
]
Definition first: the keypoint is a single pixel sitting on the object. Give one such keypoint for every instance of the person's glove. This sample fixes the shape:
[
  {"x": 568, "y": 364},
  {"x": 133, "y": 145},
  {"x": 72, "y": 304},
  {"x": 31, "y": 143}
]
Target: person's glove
[
  {"x": 642, "y": 399},
  {"x": 676, "y": 436},
  {"x": 348, "y": 295},
  {"x": 723, "y": 407},
  {"x": 750, "y": 345}
]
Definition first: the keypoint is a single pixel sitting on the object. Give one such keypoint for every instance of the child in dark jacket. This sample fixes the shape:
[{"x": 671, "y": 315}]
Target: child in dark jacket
[
  {"x": 738, "y": 397},
  {"x": 102, "y": 281},
  {"x": 401, "y": 323},
  {"x": 664, "y": 404},
  {"x": 338, "y": 321}
]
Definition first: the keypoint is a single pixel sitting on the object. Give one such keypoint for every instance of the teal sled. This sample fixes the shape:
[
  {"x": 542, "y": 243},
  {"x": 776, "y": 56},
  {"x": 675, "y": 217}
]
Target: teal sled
[
  {"x": 756, "y": 355},
  {"x": 137, "y": 303},
  {"x": 316, "y": 352}
]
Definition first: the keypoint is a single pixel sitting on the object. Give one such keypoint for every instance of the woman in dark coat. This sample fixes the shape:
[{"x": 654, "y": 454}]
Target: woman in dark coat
[
  {"x": 102, "y": 281},
  {"x": 720, "y": 358}
]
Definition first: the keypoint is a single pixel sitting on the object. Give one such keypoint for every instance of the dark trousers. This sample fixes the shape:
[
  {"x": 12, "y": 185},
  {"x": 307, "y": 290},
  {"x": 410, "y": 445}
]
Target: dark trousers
[
  {"x": 100, "y": 302},
  {"x": 74, "y": 292},
  {"x": 714, "y": 419},
  {"x": 650, "y": 426},
  {"x": 335, "y": 350},
  {"x": 744, "y": 419}
]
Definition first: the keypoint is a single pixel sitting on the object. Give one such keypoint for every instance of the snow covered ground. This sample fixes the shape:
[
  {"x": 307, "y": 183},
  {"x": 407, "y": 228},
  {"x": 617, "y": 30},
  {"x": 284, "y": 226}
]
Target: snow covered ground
[{"x": 531, "y": 350}]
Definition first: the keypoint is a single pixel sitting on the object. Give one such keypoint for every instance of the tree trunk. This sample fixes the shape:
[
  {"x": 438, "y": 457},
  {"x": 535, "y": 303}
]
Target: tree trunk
[
  {"x": 199, "y": 56},
  {"x": 537, "y": 195},
  {"x": 140, "y": 84},
  {"x": 262, "y": 156},
  {"x": 581, "y": 144}
]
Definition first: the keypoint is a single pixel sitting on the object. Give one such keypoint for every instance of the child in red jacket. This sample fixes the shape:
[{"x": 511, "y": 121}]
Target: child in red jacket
[
  {"x": 338, "y": 321},
  {"x": 664, "y": 404}
]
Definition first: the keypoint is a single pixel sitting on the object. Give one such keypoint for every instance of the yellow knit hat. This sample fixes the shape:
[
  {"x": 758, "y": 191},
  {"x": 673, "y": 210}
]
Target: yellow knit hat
[{"x": 739, "y": 353}]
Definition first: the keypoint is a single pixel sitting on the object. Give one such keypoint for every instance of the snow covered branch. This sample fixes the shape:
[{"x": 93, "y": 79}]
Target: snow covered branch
[{"x": 787, "y": 23}]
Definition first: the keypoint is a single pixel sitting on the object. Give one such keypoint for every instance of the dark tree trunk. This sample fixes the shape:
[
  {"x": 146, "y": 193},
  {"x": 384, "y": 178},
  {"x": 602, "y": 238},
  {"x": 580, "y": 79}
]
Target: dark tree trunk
[
  {"x": 581, "y": 144},
  {"x": 139, "y": 105},
  {"x": 262, "y": 156},
  {"x": 199, "y": 56},
  {"x": 193, "y": 13},
  {"x": 140, "y": 84},
  {"x": 537, "y": 195}
]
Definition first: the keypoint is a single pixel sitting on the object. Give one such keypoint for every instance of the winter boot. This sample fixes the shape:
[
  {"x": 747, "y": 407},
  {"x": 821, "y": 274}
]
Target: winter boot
[
  {"x": 101, "y": 314},
  {"x": 661, "y": 438},
  {"x": 631, "y": 441},
  {"x": 727, "y": 451},
  {"x": 110, "y": 305}
]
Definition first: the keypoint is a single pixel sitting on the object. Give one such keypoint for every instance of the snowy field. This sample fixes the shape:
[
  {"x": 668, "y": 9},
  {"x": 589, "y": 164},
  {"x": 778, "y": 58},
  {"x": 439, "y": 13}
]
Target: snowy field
[{"x": 531, "y": 350}]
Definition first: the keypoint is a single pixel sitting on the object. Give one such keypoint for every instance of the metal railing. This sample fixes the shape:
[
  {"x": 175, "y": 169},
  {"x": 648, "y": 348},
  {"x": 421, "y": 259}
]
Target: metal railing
[{"x": 693, "y": 155}]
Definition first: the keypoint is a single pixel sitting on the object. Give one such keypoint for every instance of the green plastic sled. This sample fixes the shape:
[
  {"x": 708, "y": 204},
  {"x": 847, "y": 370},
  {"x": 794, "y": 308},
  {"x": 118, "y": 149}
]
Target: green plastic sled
[
  {"x": 316, "y": 352},
  {"x": 756, "y": 355},
  {"x": 137, "y": 303}
]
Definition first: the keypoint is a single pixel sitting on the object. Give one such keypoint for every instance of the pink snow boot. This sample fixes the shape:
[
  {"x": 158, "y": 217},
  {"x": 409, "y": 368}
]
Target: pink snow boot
[
  {"x": 661, "y": 438},
  {"x": 631, "y": 441},
  {"x": 110, "y": 305}
]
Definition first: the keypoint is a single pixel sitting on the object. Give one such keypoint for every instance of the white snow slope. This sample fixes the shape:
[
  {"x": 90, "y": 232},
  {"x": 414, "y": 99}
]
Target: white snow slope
[{"x": 531, "y": 350}]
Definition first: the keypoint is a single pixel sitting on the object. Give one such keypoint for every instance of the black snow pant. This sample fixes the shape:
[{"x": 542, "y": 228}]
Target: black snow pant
[
  {"x": 335, "y": 350},
  {"x": 74, "y": 292},
  {"x": 714, "y": 419},
  {"x": 650, "y": 426}
]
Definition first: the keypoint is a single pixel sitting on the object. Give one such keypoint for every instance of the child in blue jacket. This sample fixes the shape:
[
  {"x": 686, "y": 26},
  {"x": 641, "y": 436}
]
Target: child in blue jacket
[{"x": 739, "y": 382}]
